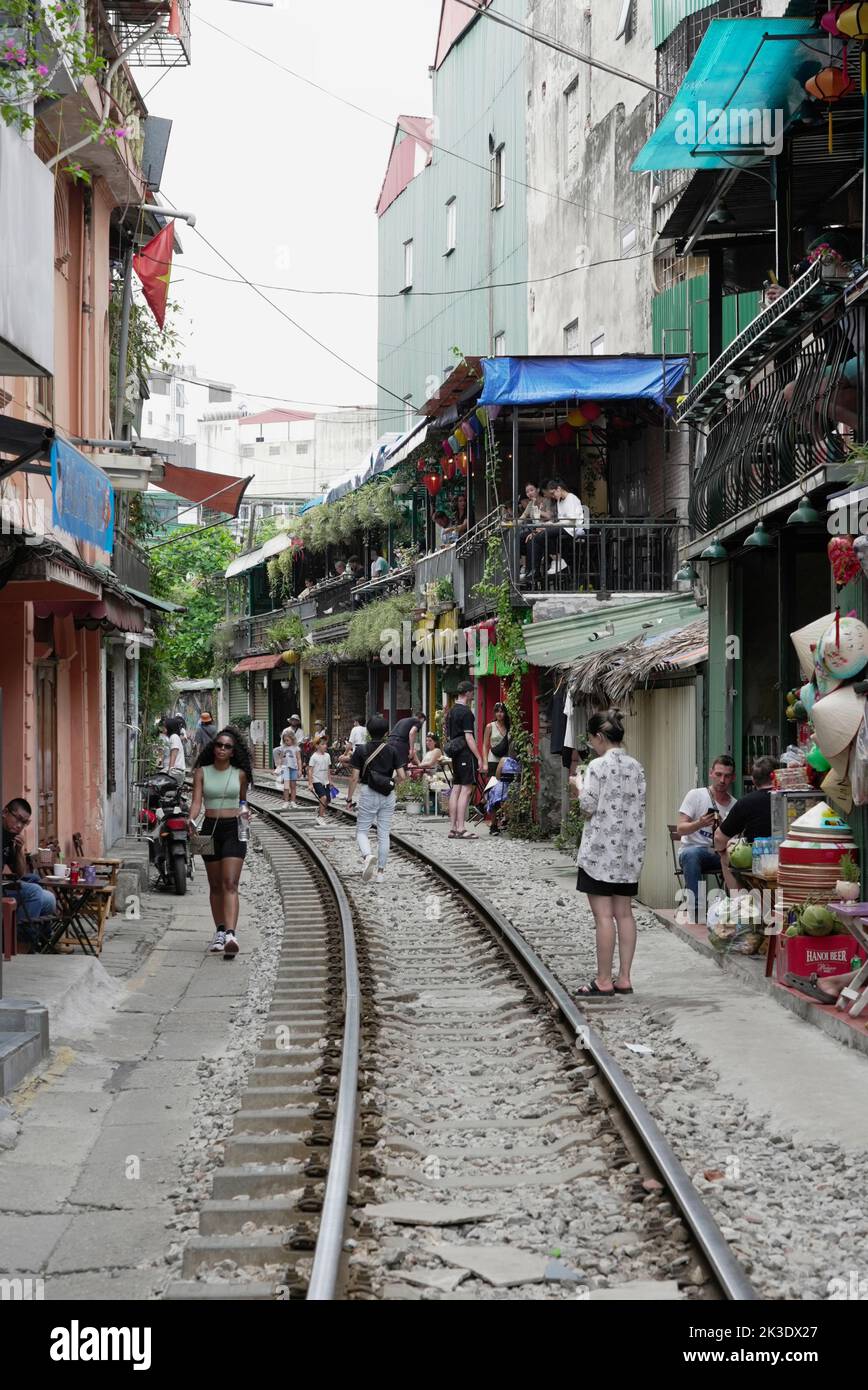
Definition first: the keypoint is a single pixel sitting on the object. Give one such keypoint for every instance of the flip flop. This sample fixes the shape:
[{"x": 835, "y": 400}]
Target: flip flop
[
  {"x": 465, "y": 835},
  {"x": 810, "y": 988},
  {"x": 592, "y": 991},
  {"x": 619, "y": 990}
]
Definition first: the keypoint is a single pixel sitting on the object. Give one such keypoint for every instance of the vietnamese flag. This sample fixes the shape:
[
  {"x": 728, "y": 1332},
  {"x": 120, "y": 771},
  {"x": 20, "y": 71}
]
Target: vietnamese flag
[{"x": 153, "y": 265}]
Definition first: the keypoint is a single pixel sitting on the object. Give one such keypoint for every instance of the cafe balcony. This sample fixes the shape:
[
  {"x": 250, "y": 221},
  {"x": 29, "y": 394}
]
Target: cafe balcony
[
  {"x": 779, "y": 409},
  {"x": 169, "y": 47}
]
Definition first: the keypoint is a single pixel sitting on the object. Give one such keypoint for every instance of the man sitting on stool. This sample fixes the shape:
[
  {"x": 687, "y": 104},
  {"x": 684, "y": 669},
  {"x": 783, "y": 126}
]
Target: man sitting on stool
[
  {"x": 33, "y": 900},
  {"x": 699, "y": 814}
]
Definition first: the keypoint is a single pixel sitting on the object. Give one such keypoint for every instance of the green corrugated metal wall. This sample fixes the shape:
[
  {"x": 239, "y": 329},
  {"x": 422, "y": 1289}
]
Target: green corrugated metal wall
[
  {"x": 685, "y": 306},
  {"x": 669, "y": 13},
  {"x": 479, "y": 90}
]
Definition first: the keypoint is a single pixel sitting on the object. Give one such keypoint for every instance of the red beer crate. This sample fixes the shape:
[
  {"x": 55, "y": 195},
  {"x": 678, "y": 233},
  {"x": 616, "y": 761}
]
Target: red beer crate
[{"x": 817, "y": 955}]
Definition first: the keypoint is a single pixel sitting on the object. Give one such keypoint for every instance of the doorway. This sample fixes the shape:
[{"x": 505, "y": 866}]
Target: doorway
[{"x": 46, "y": 754}]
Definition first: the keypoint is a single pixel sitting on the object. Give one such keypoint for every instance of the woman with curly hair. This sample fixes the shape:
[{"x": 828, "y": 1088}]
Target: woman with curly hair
[{"x": 221, "y": 782}]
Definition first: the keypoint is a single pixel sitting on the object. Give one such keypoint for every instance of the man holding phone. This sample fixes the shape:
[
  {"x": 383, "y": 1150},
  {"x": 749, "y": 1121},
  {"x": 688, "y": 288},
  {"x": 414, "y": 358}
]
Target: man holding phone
[{"x": 699, "y": 815}]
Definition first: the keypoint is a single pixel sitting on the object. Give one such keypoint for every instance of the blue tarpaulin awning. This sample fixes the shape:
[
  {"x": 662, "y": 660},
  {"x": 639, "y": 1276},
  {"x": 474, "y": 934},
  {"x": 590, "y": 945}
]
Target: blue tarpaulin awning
[
  {"x": 740, "y": 94},
  {"x": 543, "y": 380}
]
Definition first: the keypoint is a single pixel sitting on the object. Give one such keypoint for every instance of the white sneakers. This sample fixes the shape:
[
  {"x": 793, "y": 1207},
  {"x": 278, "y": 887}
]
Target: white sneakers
[
  {"x": 381, "y": 877},
  {"x": 231, "y": 946},
  {"x": 321, "y": 820},
  {"x": 370, "y": 868},
  {"x": 557, "y": 566},
  {"x": 218, "y": 943}
]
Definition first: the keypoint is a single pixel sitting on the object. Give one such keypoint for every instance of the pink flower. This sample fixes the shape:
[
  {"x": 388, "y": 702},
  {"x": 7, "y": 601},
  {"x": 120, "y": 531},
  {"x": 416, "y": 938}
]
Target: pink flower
[
  {"x": 120, "y": 134},
  {"x": 42, "y": 70}
]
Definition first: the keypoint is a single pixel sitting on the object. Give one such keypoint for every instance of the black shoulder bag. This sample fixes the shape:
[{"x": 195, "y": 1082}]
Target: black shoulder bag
[{"x": 377, "y": 781}]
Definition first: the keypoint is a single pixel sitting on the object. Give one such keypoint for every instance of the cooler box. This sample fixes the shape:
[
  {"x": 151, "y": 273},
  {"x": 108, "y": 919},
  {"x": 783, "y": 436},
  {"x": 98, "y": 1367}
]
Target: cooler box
[
  {"x": 788, "y": 806},
  {"x": 817, "y": 955}
]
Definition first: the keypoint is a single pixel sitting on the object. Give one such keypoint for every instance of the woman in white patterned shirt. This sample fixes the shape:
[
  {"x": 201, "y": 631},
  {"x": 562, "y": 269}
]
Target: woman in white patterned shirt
[{"x": 612, "y": 800}]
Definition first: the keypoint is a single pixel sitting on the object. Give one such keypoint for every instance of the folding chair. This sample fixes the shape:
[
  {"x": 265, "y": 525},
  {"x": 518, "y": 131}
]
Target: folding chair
[{"x": 674, "y": 843}]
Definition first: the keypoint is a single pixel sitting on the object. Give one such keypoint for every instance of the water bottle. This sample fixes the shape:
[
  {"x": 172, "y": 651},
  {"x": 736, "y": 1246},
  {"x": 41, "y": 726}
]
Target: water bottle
[
  {"x": 756, "y": 866},
  {"x": 243, "y": 820}
]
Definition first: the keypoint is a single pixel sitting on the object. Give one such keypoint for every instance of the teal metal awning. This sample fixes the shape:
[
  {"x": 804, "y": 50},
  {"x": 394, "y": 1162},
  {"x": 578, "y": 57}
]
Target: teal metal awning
[
  {"x": 739, "y": 96},
  {"x": 562, "y": 640}
]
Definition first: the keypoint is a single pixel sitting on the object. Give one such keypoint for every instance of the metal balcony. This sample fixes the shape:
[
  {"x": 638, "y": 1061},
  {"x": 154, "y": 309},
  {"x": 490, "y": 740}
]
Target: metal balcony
[
  {"x": 130, "y": 18},
  {"x": 803, "y": 405},
  {"x": 130, "y": 564}
]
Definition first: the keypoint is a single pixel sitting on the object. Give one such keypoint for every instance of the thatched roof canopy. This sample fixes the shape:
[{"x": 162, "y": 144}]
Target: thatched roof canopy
[{"x": 610, "y": 677}]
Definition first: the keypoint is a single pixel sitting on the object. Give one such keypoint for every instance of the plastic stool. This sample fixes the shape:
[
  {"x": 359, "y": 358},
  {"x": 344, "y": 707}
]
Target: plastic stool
[{"x": 10, "y": 938}]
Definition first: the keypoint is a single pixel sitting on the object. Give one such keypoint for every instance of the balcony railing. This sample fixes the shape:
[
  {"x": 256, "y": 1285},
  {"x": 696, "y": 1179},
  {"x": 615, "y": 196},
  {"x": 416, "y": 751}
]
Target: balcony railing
[
  {"x": 130, "y": 564},
  {"x": 397, "y": 582},
  {"x": 613, "y": 556},
  {"x": 130, "y": 18},
  {"x": 804, "y": 402}
]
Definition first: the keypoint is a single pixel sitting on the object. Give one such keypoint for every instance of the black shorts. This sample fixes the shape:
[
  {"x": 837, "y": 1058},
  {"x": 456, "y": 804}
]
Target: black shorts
[
  {"x": 601, "y": 889},
  {"x": 322, "y": 791},
  {"x": 226, "y": 842},
  {"x": 464, "y": 769}
]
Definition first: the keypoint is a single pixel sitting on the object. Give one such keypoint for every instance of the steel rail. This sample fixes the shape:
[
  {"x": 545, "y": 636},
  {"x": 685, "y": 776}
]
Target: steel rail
[
  {"x": 330, "y": 1238},
  {"x": 727, "y": 1271}
]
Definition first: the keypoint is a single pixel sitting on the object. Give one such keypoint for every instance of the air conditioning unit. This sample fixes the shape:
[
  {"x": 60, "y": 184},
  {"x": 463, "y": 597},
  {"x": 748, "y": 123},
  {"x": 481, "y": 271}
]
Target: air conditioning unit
[{"x": 126, "y": 472}]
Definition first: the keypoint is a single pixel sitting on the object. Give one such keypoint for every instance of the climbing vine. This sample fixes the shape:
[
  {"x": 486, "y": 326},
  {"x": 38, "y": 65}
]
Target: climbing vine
[{"x": 496, "y": 588}]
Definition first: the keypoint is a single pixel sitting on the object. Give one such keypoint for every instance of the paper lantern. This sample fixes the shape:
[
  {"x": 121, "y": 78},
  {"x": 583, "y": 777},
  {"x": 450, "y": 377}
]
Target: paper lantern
[
  {"x": 552, "y": 438},
  {"x": 461, "y": 463},
  {"x": 829, "y": 20},
  {"x": 846, "y": 565},
  {"x": 447, "y": 448},
  {"x": 481, "y": 413},
  {"x": 852, "y": 21},
  {"x": 576, "y": 419},
  {"x": 566, "y": 433},
  {"x": 471, "y": 427},
  {"x": 454, "y": 444},
  {"x": 829, "y": 85},
  {"x": 449, "y": 466},
  {"x": 539, "y": 446},
  {"x": 591, "y": 411},
  {"x": 433, "y": 483},
  {"x": 461, "y": 437}
]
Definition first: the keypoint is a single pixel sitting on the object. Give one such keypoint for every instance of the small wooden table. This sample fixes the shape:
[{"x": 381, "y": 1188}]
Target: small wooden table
[{"x": 82, "y": 912}]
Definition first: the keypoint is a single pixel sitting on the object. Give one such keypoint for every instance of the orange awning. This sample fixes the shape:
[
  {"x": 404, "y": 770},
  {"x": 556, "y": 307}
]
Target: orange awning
[
  {"x": 219, "y": 491},
  {"x": 257, "y": 663}
]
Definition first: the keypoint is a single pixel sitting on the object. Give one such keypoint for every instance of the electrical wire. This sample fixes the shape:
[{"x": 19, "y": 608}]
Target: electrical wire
[
  {"x": 283, "y": 314},
  {"x": 382, "y": 120}
]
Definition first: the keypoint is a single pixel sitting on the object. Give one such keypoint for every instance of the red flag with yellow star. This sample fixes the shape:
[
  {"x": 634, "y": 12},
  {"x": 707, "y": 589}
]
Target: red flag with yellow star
[{"x": 153, "y": 265}]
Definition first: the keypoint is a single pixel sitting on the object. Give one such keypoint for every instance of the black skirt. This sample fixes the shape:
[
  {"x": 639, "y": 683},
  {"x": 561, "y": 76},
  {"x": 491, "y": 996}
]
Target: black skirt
[{"x": 601, "y": 889}]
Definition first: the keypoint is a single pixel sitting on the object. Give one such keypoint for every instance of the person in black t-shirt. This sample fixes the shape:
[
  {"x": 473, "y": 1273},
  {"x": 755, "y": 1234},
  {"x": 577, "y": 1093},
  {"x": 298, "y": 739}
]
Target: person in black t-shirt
[
  {"x": 403, "y": 734},
  {"x": 377, "y": 765},
  {"x": 751, "y": 816},
  {"x": 462, "y": 748}
]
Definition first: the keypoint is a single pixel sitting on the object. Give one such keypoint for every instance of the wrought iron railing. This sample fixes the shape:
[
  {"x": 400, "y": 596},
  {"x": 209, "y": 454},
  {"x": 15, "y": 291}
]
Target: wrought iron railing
[
  {"x": 130, "y": 563},
  {"x": 130, "y": 18},
  {"x": 398, "y": 582},
  {"x": 613, "y": 556},
  {"x": 805, "y": 404}
]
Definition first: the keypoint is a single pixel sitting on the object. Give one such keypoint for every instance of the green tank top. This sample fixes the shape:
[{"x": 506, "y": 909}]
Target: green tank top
[{"x": 221, "y": 790}]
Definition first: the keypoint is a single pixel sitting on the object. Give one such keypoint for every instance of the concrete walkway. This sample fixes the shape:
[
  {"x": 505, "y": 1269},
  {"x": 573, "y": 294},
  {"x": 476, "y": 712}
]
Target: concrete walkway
[{"x": 84, "y": 1193}]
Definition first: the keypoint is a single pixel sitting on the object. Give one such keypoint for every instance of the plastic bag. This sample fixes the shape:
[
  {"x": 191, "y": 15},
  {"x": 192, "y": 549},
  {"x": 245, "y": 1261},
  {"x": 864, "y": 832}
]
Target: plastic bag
[
  {"x": 793, "y": 756},
  {"x": 735, "y": 924},
  {"x": 859, "y": 764}
]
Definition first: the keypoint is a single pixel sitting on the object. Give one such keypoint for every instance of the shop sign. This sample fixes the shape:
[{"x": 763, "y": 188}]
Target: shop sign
[{"x": 83, "y": 499}]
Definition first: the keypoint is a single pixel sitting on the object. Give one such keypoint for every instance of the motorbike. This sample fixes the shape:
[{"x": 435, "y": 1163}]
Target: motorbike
[{"x": 163, "y": 820}]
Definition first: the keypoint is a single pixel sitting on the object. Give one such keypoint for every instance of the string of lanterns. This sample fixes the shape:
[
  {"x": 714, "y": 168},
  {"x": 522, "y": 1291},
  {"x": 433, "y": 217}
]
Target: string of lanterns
[{"x": 832, "y": 83}]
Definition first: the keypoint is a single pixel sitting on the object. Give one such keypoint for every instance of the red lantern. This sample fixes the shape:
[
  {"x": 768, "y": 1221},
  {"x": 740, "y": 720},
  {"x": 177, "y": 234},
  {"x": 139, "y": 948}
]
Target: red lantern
[
  {"x": 552, "y": 438},
  {"x": 433, "y": 482},
  {"x": 829, "y": 85},
  {"x": 449, "y": 466},
  {"x": 423, "y": 466},
  {"x": 829, "y": 20},
  {"x": 591, "y": 411},
  {"x": 566, "y": 434},
  {"x": 461, "y": 462},
  {"x": 539, "y": 446}
]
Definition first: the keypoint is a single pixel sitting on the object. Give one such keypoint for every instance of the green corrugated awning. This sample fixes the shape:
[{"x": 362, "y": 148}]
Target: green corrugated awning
[
  {"x": 165, "y": 605},
  {"x": 740, "y": 94},
  {"x": 608, "y": 625}
]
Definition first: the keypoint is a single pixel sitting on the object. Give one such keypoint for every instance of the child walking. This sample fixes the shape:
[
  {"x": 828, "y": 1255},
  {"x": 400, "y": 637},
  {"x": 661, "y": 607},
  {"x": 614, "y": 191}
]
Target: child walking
[
  {"x": 287, "y": 767},
  {"x": 319, "y": 777}
]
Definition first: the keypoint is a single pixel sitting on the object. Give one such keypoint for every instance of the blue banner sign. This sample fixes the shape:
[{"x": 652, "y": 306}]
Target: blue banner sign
[{"x": 83, "y": 499}]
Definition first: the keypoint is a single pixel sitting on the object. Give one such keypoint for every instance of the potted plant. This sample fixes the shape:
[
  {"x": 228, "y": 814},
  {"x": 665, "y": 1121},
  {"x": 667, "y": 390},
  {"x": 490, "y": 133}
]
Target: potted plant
[
  {"x": 848, "y": 887},
  {"x": 412, "y": 794}
]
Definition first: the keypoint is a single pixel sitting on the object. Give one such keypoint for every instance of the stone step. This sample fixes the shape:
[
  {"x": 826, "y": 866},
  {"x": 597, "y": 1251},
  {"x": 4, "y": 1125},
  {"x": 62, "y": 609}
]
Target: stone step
[{"x": 20, "y": 1052}]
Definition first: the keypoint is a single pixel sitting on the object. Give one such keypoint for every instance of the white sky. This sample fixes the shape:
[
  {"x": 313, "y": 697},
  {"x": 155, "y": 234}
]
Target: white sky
[{"x": 284, "y": 181}]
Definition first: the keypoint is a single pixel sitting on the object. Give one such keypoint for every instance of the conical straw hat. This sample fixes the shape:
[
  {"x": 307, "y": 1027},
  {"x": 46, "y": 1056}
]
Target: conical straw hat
[{"x": 836, "y": 719}]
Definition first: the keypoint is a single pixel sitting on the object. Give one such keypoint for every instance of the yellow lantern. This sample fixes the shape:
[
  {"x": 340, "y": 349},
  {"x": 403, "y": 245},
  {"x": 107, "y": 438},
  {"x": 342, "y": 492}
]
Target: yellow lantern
[
  {"x": 576, "y": 419},
  {"x": 461, "y": 437},
  {"x": 853, "y": 21}
]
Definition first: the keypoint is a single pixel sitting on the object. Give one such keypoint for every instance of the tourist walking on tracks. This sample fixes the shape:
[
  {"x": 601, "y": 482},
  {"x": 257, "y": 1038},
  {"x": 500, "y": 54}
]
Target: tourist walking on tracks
[
  {"x": 377, "y": 765},
  {"x": 612, "y": 851},
  {"x": 464, "y": 752},
  {"x": 286, "y": 765},
  {"x": 221, "y": 784},
  {"x": 319, "y": 777}
]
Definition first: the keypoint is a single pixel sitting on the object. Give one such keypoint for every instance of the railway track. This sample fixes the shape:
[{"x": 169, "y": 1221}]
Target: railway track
[{"x": 430, "y": 1113}]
